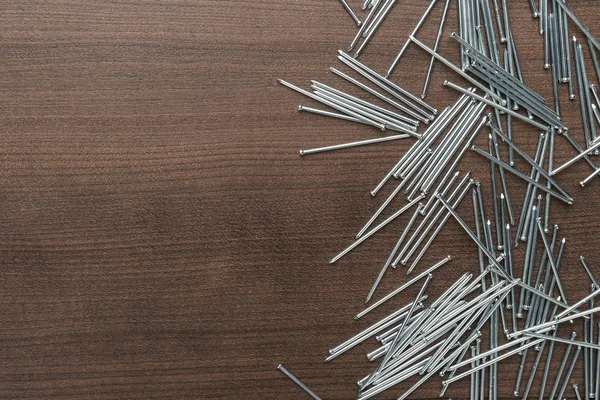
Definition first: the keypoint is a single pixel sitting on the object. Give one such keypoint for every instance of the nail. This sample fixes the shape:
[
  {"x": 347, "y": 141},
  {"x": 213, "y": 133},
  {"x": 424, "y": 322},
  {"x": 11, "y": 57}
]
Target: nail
[
  {"x": 401, "y": 288},
  {"x": 363, "y": 27},
  {"x": 438, "y": 229},
  {"x": 332, "y": 105},
  {"x": 553, "y": 30},
  {"x": 576, "y": 158},
  {"x": 507, "y": 78},
  {"x": 534, "y": 10},
  {"x": 569, "y": 372},
  {"x": 547, "y": 38},
  {"x": 352, "y": 144},
  {"x": 469, "y": 232},
  {"x": 561, "y": 368},
  {"x": 597, "y": 384},
  {"x": 487, "y": 363},
  {"x": 298, "y": 382},
  {"x": 459, "y": 193},
  {"x": 458, "y": 157},
  {"x": 388, "y": 355},
  {"x": 579, "y": 303},
  {"x": 503, "y": 178},
  {"x": 367, "y": 333},
  {"x": 566, "y": 199},
  {"x": 395, "y": 118},
  {"x": 380, "y": 210},
  {"x": 329, "y": 114},
  {"x": 579, "y": 149},
  {"x": 549, "y": 183},
  {"x": 457, "y": 70},
  {"x": 530, "y": 192},
  {"x": 547, "y": 367},
  {"x": 390, "y": 83},
  {"x": 489, "y": 352},
  {"x": 423, "y": 226},
  {"x": 580, "y": 69},
  {"x": 418, "y": 112},
  {"x": 391, "y": 256},
  {"x": 495, "y": 195},
  {"x": 377, "y": 228},
  {"x": 583, "y": 28},
  {"x": 352, "y": 14},
  {"x": 478, "y": 231},
  {"x": 435, "y": 48},
  {"x": 576, "y": 390},
  {"x": 442, "y": 187},
  {"x": 555, "y": 321},
  {"x": 534, "y": 368},
  {"x": 497, "y": 106},
  {"x": 414, "y": 32},
  {"x": 553, "y": 266},
  {"x": 362, "y": 110},
  {"x": 383, "y": 12},
  {"x": 586, "y": 266},
  {"x": 380, "y": 96}
]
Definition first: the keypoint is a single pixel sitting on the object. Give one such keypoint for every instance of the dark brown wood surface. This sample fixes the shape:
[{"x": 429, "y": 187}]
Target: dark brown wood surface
[{"x": 160, "y": 236}]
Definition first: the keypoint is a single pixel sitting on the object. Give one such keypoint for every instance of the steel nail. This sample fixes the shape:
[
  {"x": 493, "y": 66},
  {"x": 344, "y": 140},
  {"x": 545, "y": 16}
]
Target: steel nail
[{"x": 298, "y": 382}]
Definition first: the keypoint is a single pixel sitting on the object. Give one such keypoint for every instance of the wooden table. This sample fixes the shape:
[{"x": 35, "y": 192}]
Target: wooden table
[{"x": 161, "y": 236}]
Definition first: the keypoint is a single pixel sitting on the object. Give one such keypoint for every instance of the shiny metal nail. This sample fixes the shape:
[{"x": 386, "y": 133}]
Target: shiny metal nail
[
  {"x": 553, "y": 266},
  {"x": 435, "y": 48},
  {"x": 579, "y": 24},
  {"x": 352, "y": 144},
  {"x": 487, "y": 363},
  {"x": 534, "y": 368},
  {"x": 576, "y": 390},
  {"x": 535, "y": 165},
  {"x": 428, "y": 222},
  {"x": 363, "y": 27},
  {"x": 298, "y": 382},
  {"x": 389, "y": 83},
  {"x": 380, "y": 96},
  {"x": 414, "y": 110},
  {"x": 562, "y": 367},
  {"x": 393, "y": 253},
  {"x": 330, "y": 114},
  {"x": 457, "y": 70},
  {"x": 345, "y": 110},
  {"x": 512, "y": 170},
  {"x": 402, "y": 287},
  {"x": 583, "y": 90},
  {"x": 437, "y": 230},
  {"x": 495, "y": 105},
  {"x": 530, "y": 192},
  {"x": 597, "y": 383},
  {"x": 579, "y": 303},
  {"x": 367, "y": 112},
  {"x": 547, "y": 366},
  {"x": 377, "y": 228},
  {"x": 388, "y": 355},
  {"x": 395, "y": 118},
  {"x": 576, "y": 158},
  {"x": 588, "y": 271},
  {"x": 457, "y": 157},
  {"x": 372, "y": 28},
  {"x": 414, "y": 32},
  {"x": 352, "y": 14},
  {"x": 497, "y": 154},
  {"x": 534, "y": 10},
  {"x": 569, "y": 372}
]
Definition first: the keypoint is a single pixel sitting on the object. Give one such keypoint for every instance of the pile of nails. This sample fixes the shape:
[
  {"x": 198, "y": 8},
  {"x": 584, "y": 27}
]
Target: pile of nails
[{"x": 442, "y": 336}]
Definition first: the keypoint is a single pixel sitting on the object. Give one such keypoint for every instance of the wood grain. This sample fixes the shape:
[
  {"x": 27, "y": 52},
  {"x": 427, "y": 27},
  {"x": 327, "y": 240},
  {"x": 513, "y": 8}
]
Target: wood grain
[{"x": 161, "y": 237}]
